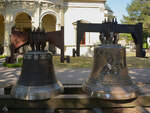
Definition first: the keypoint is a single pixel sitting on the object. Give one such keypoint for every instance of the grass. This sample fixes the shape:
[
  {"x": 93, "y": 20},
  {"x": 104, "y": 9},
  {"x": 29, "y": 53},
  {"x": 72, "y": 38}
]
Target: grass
[
  {"x": 75, "y": 62},
  {"x": 87, "y": 62},
  {"x": 136, "y": 62},
  {"x": 14, "y": 65},
  {"x": 2, "y": 56}
]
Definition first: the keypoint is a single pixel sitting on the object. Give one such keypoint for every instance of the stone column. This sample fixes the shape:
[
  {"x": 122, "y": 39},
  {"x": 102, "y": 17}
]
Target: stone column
[
  {"x": 36, "y": 16},
  {"x": 62, "y": 15},
  {"x": 8, "y": 26},
  {"x": 59, "y": 20},
  {"x": 58, "y": 26}
]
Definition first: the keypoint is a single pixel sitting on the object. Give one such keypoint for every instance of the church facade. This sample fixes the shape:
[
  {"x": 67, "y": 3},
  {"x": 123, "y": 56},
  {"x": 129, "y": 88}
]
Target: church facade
[{"x": 51, "y": 15}]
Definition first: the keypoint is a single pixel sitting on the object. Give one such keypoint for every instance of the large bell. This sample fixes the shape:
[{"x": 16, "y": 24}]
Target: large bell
[
  {"x": 37, "y": 80},
  {"x": 109, "y": 78}
]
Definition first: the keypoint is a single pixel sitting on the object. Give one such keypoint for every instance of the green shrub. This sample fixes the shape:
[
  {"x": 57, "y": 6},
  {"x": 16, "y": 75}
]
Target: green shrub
[
  {"x": 12, "y": 65},
  {"x": 20, "y": 60},
  {"x": 145, "y": 45},
  {"x": 2, "y": 56}
]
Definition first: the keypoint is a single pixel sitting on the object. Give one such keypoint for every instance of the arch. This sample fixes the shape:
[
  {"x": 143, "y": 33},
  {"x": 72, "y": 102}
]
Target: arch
[
  {"x": 2, "y": 32},
  {"x": 50, "y": 12},
  {"x": 18, "y": 11},
  {"x": 23, "y": 21},
  {"x": 48, "y": 22}
]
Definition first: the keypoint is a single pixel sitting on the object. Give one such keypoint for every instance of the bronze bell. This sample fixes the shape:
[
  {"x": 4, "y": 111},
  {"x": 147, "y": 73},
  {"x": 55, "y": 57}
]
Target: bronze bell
[
  {"x": 37, "y": 80},
  {"x": 109, "y": 78}
]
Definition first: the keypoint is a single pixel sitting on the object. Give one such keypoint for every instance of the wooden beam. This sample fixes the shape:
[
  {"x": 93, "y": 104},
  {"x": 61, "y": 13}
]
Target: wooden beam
[
  {"x": 73, "y": 98},
  {"x": 77, "y": 101}
]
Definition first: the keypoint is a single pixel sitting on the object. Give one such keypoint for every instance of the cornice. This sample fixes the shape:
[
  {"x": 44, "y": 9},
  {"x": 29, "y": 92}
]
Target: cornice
[{"x": 84, "y": 0}]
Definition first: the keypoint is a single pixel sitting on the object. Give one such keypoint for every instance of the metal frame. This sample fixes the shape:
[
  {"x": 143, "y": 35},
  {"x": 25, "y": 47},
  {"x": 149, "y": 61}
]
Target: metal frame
[
  {"x": 107, "y": 27},
  {"x": 55, "y": 37}
]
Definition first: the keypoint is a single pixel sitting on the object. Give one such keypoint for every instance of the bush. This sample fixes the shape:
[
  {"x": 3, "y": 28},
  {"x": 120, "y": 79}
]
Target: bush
[
  {"x": 18, "y": 64},
  {"x": 1, "y": 56},
  {"x": 12, "y": 65}
]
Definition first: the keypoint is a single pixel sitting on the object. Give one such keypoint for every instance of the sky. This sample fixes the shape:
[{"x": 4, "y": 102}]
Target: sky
[{"x": 119, "y": 7}]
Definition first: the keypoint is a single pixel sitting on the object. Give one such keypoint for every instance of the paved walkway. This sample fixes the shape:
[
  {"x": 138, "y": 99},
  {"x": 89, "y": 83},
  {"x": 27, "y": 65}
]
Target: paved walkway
[{"x": 71, "y": 76}]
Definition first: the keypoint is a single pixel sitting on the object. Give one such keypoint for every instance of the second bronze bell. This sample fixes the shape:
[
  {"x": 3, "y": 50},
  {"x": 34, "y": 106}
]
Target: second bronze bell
[
  {"x": 109, "y": 78},
  {"x": 37, "y": 80}
]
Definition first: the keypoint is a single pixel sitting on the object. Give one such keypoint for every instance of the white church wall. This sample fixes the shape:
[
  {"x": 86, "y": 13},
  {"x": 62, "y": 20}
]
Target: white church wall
[{"x": 91, "y": 12}]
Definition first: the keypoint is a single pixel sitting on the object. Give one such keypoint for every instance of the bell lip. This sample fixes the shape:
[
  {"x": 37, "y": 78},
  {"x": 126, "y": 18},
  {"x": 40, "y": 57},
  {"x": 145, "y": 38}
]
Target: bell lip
[
  {"x": 110, "y": 96},
  {"x": 32, "y": 93}
]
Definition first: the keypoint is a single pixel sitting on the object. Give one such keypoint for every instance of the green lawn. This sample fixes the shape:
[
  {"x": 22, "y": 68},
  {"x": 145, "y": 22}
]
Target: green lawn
[
  {"x": 1, "y": 56},
  {"x": 87, "y": 62},
  {"x": 136, "y": 62},
  {"x": 75, "y": 62}
]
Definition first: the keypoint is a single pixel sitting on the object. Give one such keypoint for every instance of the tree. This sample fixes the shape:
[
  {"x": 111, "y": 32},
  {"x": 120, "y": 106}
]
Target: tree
[{"x": 139, "y": 11}]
